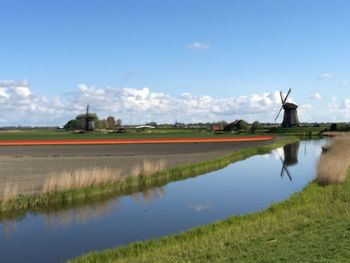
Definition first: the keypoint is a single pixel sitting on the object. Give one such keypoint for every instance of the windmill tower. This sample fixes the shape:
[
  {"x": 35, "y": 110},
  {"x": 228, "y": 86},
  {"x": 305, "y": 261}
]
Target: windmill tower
[
  {"x": 290, "y": 118},
  {"x": 89, "y": 120}
]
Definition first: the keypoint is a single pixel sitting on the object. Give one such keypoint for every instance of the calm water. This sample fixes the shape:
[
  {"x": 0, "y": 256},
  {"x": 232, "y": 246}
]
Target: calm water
[{"x": 240, "y": 188}]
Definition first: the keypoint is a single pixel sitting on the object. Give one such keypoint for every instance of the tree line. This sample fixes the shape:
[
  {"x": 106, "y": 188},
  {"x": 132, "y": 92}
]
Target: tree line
[{"x": 79, "y": 123}]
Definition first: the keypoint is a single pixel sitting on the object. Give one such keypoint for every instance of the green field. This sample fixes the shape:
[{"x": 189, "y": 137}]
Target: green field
[
  {"x": 132, "y": 134},
  {"x": 52, "y": 134},
  {"x": 312, "y": 226}
]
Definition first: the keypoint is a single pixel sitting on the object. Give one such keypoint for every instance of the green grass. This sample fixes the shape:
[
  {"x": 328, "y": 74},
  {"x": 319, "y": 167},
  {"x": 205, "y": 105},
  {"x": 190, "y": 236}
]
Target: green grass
[
  {"x": 21, "y": 205},
  {"x": 311, "y": 226},
  {"x": 301, "y": 131},
  {"x": 52, "y": 134},
  {"x": 151, "y": 134}
]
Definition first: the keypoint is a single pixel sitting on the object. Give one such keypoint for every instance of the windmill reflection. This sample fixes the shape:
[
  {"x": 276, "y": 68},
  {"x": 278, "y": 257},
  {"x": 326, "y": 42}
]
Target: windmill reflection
[{"x": 290, "y": 158}]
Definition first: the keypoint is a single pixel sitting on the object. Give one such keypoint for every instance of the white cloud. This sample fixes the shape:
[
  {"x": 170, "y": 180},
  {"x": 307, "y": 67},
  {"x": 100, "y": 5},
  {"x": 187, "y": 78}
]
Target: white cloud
[
  {"x": 22, "y": 91},
  {"x": 132, "y": 75},
  {"x": 326, "y": 75},
  {"x": 198, "y": 45},
  {"x": 333, "y": 103},
  {"x": 20, "y": 106},
  {"x": 346, "y": 104},
  {"x": 334, "y": 110},
  {"x": 316, "y": 96},
  {"x": 342, "y": 83}
]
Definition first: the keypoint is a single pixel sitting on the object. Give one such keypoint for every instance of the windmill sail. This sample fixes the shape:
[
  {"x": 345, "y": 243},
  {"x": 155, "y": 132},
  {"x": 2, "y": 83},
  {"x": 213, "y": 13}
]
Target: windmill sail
[{"x": 278, "y": 113}]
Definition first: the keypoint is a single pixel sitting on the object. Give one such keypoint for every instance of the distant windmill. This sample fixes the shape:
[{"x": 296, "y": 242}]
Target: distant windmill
[
  {"x": 89, "y": 120},
  {"x": 290, "y": 118}
]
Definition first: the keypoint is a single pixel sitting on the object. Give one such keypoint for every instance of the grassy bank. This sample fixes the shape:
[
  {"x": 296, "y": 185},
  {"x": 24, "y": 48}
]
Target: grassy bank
[
  {"x": 311, "y": 226},
  {"x": 298, "y": 131},
  {"x": 77, "y": 196}
]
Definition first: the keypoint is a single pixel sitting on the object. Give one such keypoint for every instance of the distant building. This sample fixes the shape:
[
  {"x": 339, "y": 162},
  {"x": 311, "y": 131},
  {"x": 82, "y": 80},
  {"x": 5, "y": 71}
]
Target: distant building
[
  {"x": 216, "y": 127},
  {"x": 231, "y": 126},
  {"x": 145, "y": 127}
]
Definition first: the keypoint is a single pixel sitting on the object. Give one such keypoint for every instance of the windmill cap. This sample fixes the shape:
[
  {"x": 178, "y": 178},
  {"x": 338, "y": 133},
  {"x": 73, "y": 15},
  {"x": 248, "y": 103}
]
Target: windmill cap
[{"x": 290, "y": 106}]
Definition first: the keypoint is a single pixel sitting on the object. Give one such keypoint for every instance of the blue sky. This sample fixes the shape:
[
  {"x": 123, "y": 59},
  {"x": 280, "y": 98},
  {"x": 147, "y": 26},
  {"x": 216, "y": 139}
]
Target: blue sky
[{"x": 221, "y": 49}]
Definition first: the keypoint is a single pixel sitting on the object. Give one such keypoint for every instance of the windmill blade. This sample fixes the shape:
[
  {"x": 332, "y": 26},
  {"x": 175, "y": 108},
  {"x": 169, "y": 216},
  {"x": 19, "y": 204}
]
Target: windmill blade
[
  {"x": 285, "y": 99},
  {"x": 288, "y": 173},
  {"x": 278, "y": 113},
  {"x": 281, "y": 96},
  {"x": 285, "y": 168},
  {"x": 282, "y": 169}
]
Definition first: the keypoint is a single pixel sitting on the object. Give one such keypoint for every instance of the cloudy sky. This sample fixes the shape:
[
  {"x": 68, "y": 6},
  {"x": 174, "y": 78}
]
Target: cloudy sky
[{"x": 168, "y": 61}]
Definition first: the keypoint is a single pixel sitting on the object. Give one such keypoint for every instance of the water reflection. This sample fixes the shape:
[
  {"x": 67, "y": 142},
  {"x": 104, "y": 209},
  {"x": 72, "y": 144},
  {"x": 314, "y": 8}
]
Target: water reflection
[
  {"x": 82, "y": 215},
  {"x": 290, "y": 158},
  {"x": 148, "y": 195}
]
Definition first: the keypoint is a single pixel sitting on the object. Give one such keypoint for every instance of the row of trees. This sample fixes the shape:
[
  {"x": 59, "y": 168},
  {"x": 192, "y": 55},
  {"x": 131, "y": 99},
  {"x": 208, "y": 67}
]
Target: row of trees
[
  {"x": 79, "y": 123},
  {"x": 238, "y": 125}
]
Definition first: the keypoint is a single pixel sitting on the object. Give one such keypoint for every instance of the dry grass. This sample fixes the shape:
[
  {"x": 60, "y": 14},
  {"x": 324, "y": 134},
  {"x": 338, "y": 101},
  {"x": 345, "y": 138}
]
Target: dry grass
[
  {"x": 87, "y": 177},
  {"x": 335, "y": 161},
  {"x": 10, "y": 191},
  {"x": 98, "y": 176}
]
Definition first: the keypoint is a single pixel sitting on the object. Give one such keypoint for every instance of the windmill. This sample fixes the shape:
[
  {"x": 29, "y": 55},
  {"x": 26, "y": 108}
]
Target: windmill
[
  {"x": 290, "y": 118},
  {"x": 89, "y": 120}
]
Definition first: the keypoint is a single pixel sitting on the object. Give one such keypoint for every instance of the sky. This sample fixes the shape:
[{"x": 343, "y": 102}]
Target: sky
[{"x": 167, "y": 60}]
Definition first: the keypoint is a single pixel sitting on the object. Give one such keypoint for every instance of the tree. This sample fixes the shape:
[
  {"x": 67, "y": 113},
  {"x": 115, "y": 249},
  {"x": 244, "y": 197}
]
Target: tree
[
  {"x": 334, "y": 127},
  {"x": 255, "y": 126},
  {"x": 118, "y": 123},
  {"x": 242, "y": 125},
  {"x": 111, "y": 122},
  {"x": 101, "y": 124},
  {"x": 74, "y": 125}
]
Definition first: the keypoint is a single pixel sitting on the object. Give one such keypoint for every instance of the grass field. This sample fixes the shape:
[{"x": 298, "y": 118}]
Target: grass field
[
  {"x": 47, "y": 134},
  {"x": 149, "y": 134},
  {"x": 311, "y": 226}
]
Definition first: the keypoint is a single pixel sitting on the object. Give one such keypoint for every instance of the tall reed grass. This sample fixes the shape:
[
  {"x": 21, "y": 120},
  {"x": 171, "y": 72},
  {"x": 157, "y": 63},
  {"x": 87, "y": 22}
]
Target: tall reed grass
[
  {"x": 97, "y": 176},
  {"x": 335, "y": 161},
  {"x": 10, "y": 191}
]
